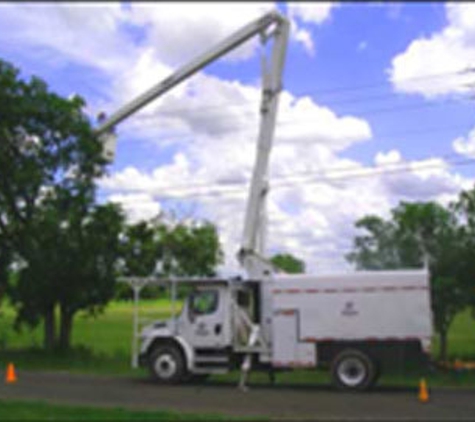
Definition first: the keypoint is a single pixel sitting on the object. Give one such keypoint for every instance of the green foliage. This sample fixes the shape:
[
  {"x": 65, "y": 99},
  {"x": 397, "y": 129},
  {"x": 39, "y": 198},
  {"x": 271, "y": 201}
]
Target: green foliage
[
  {"x": 157, "y": 248},
  {"x": 49, "y": 225},
  {"x": 419, "y": 233},
  {"x": 140, "y": 249},
  {"x": 191, "y": 250},
  {"x": 65, "y": 248},
  {"x": 288, "y": 263}
]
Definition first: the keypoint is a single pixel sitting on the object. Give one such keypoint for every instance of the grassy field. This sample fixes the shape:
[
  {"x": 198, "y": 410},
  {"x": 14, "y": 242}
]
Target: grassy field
[
  {"x": 35, "y": 411},
  {"x": 102, "y": 345}
]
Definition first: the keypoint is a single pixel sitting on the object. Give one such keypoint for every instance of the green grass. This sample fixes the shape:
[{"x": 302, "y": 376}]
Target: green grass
[
  {"x": 102, "y": 346},
  {"x": 109, "y": 333},
  {"x": 461, "y": 338},
  {"x": 35, "y": 411}
]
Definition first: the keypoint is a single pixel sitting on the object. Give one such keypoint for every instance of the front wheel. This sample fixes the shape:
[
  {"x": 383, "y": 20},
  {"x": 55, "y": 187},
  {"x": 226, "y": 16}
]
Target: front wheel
[
  {"x": 166, "y": 365},
  {"x": 353, "y": 370}
]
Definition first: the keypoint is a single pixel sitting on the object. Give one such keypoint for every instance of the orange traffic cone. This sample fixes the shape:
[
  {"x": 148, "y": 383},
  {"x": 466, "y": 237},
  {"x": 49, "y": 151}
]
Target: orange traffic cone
[
  {"x": 423, "y": 392},
  {"x": 10, "y": 376}
]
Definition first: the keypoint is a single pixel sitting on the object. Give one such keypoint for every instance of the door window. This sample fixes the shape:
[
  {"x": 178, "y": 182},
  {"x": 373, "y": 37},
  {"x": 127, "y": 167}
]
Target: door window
[{"x": 204, "y": 302}]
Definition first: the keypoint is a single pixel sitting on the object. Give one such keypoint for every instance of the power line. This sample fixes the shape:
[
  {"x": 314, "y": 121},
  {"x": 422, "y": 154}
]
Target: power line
[
  {"x": 384, "y": 172},
  {"x": 286, "y": 123},
  {"x": 418, "y": 132},
  {"x": 348, "y": 176},
  {"x": 193, "y": 112},
  {"x": 306, "y": 173},
  {"x": 338, "y": 90},
  {"x": 335, "y": 169}
]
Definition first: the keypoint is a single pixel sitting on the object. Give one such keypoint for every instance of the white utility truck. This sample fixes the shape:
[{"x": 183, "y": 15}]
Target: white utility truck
[{"x": 354, "y": 323}]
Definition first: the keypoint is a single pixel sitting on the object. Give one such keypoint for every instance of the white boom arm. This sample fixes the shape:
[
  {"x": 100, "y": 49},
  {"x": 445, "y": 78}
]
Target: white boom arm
[
  {"x": 251, "y": 254},
  {"x": 254, "y": 28},
  {"x": 253, "y": 236}
]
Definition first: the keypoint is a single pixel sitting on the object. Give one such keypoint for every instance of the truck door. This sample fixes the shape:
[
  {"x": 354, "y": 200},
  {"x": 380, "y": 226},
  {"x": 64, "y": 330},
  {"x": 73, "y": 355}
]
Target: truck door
[{"x": 207, "y": 318}]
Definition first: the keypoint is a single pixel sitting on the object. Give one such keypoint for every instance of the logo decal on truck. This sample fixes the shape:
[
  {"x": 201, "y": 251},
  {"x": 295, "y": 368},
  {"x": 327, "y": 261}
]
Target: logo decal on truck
[
  {"x": 349, "y": 309},
  {"x": 202, "y": 330}
]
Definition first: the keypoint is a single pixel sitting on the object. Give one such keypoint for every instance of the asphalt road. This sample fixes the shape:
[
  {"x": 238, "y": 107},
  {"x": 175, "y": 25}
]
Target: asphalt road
[{"x": 278, "y": 402}]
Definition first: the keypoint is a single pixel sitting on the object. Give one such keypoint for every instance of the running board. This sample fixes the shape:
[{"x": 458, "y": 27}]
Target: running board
[
  {"x": 210, "y": 370},
  {"x": 212, "y": 359}
]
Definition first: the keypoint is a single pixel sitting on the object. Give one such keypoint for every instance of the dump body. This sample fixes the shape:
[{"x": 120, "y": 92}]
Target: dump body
[{"x": 371, "y": 306}]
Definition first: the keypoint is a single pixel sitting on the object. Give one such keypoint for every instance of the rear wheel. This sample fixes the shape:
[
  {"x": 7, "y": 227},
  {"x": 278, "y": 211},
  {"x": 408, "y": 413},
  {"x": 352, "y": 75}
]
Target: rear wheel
[
  {"x": 353, "y": 370},
  {"x": 167, "y": 365}
]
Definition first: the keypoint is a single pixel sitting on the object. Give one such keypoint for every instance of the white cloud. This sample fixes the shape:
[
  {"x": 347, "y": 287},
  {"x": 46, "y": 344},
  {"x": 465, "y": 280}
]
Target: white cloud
[
  {"x": 314, "y": 13},
  {"x": 465, "y": 145},
  {"x": 68, "y": 29},
  {"x": 210, "y": 23},
  {"x": 390, "y": 157},
  {"x": 179, "y": 31},
  {"x": 305, "y": 37},
  {"x": 443, "y": 53},
  {"x": 310, "y": 14},
  {"x": 138, "y": 207}
]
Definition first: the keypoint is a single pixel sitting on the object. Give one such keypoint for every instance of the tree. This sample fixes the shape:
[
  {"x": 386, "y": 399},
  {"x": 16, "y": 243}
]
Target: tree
[
  {"x": 375, "y": 249},
  {"x": 72, "y": 270},
  {"x": 417, "y": 232},
  {"x": 191, "y": 250},
  {"x": 49, "y": 158},
  {"x": 464, "y": 209},
  {"x": 151, "y": 247},
  {"x": 139, "y": 256},
  {"x": 288, "y": 263},
  {"x": 140, "y": 250}
]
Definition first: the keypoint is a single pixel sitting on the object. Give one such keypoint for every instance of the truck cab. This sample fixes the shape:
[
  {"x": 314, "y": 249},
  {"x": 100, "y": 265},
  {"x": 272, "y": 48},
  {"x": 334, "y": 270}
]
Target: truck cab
[{"x": 206, "y": 337}]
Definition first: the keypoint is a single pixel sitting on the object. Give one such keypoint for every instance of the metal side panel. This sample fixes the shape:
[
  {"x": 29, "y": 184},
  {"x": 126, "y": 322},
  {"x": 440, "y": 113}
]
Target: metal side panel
[{"x": 287, "y": 351}]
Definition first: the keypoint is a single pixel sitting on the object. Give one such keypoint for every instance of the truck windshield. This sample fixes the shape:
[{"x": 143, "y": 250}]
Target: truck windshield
[{"x": 204, "y": 302}]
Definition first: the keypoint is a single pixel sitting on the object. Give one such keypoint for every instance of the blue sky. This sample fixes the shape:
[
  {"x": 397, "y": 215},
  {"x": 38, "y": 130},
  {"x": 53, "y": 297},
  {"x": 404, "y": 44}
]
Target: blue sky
[{"x": 358, "y": 93}]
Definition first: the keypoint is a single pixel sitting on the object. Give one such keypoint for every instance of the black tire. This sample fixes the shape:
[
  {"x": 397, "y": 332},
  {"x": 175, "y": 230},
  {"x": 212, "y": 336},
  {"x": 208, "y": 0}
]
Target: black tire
[
  {"x": 167, "y": 365},
  {"x": 353, "y": 370}
]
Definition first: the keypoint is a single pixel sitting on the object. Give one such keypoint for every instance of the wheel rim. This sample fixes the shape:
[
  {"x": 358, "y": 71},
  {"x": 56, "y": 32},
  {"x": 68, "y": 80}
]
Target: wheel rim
[
  {"x": 351, "y": 372},
  {"x": 165, "y": 366}
]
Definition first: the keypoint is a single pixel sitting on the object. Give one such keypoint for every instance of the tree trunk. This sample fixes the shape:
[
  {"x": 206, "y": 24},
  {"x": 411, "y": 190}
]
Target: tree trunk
[
  {"x": 65, "y": 329},
  {"x": 443, "y": 345},
  {"x": 50, "y": 328}
]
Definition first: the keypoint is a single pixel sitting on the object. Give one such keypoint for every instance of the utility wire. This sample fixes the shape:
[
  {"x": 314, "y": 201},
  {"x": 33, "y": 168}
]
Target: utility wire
[
  {"x": 194, "y": 112},
  {"x": 335, "y": 169},
  {"x": 307, "y": 173},
  {"x": 286, "y": 123},
  {"x": 330, "y": 91},
  {"x": 348, "y": 176},
  {"x": 370, "y": 173}
]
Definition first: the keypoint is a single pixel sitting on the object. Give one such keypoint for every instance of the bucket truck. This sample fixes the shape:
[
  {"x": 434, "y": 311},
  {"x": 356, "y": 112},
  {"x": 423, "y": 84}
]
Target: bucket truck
[{"x": 354, "y": 324}]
